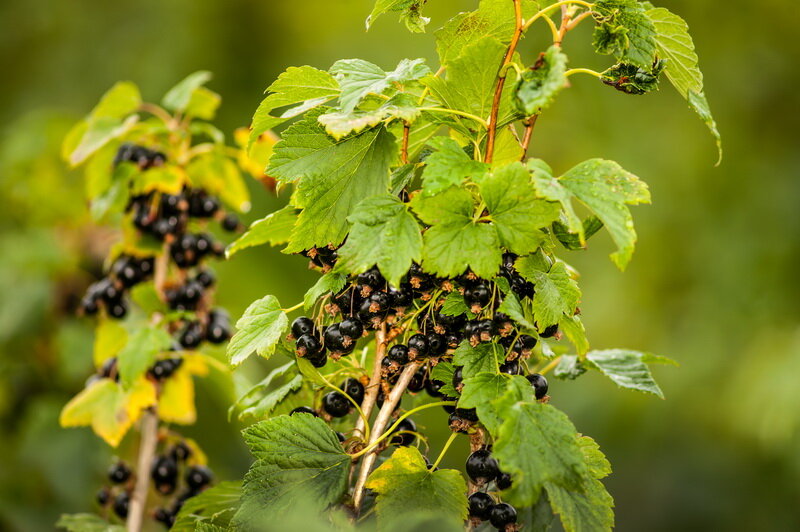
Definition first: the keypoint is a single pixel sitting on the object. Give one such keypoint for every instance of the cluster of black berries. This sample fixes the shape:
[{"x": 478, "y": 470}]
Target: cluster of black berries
[
  {"x": 323, "y": 258},
  {"x": 314, "y": 344},
  {"x": 109, "y": 292},
  {"x": 118, "y": 494},
  {"x": 142, "y": 157},
  {"x": 215, "y": 329},
  {"x": 483, "y": 469}
]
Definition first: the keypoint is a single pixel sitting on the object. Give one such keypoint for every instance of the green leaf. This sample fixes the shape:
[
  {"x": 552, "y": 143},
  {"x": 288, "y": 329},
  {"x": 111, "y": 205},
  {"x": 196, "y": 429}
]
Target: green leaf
[
  {"x": 334, "y": 177},
  {"x": 626, "y": 368},
  {"x": 140, "y": 353},
  {"x": 339, "y": 124},
  {"x": 537, "y": 446},
  {"x": 570, "y": 367},
  {"x": 305, "y": 85},
  {"x": 589, "y": 507},
  {"x": 203, "y": 104},
  {"x": 449, "y": 166},
  {"x": 454, "y": 305},
  {"x": 455, "y": 241},
  {"x": 674, "y": 44},
  {"x": 482, "y": 388},
  {"x": 483, "y": 358},
  {"x": 178, "y": 97},
  {"x": 405, "y": 484},
  {"x": 539, "y": 85},
  {"x": 358, "y": 78},
  {"x": 572, "y": 240},
  {"x": 274, "y": 229},
  {"x": 258, "y": 330},
  {"x": 330, "y": 282},
  {"x": 492, "y": 413},
  {"x": 443, "y": 372},
  {"x": 214, "y": 506},
  {"x": 297, "y": 456},
  {"x": 557, "y": 294},
  {"x": 87, "y": 523},
  {"x": 512, "y": 307},
  {"x": 410, "y": 13},
  {"x": 624, "y": 30},
  {"x": 385, "y": 234},
  {"x": 573, "y": 328},
  {"x": 220, "y": 176},
  {"x": 265, "y": 405},
  {"x": 606, "y": 188},
  {"x": 632, "y": 79},
  {"x": 515, "y": 211},
  {"x": 97, "y": 133}
]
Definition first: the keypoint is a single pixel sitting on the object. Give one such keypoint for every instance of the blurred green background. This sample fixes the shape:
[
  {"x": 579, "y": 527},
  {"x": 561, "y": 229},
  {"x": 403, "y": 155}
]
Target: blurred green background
[{"x": 713, "y": 282}]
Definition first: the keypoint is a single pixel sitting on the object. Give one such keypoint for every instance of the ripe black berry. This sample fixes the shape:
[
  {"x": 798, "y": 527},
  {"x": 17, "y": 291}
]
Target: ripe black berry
[
  {"x": 354, "y": 389},
  {"x": 351, "y": 328},
  {"x": 205, "y": 278},
  {"x": 117, "y": 310},
  {"x": 164, "y": 516},
  {"x": 198, "y": 477},
  {"x": 398, "y": 354},
  {"x": 334, "y": 339},
  {"x": 301, "y": 326},
  {"x": 477, "y": 296},
  {"x": 539, "y": 384},
  {"x": 180, "y": 452},
  {"x": 417, "y": 382},
  {"x": 401, "y": 297},
  {"x": 119, "y": 473},
  {"x": 481, "y": 466},
  {"x": 121, "y": 505},
  {"x": 303, "y": 410},
  {"x": 219, "y": 328},
  {"x": 191, "y": 335},
  {"x": 336, "y": 404},
  {"x": 458, "y": 376},
  {"x": 230, "y": 222},
  {"x": 165, "y": 474},
  {"x": 418, "y": 346},
  {"x": 470, "y": 414},
  {"x": 437, "y": 344},
  {"x": 309, "y": 346},
  {"x": 503, "y": 481},
  {"x": 511, "y": 367},
  {"x": 103, "y": 496},
  {"x": 407, "y": 427},
  {"x": 549, "y": 331},
  {"x": 433, "y": 387},
  {"x": 318, "y": 360},
  {"x": 89, "y": 305},
  {"x": 524, "y": 344},
  {"x": 479, "y": 505},
  {"x": 163, "y": 369},
  {"x": 371, "y": 278},
  {"x": 501, "y": 515}
]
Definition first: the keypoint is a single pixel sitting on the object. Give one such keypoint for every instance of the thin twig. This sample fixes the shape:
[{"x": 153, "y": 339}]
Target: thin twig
[
  {"x": 373, "y": 387},
  {"x": 385, "y": 414},
  {"x": 501, "y": 81},
  {"x": 404, "y": 145},
  {"x": 147, "y": 450},
  {"x": 526, "y": 139}
]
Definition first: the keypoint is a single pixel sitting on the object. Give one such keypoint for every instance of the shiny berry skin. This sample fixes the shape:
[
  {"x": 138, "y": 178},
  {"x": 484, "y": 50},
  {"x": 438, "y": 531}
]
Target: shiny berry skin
[
  {"x": 218, "y": 329},
  {"x": 437, "y": 344},
  {"x": 479, "y": 505},
  {"x": 119, "y": 473},
  {"x": 121, "y": 505},
  {"x": 334, "y": 339},
  {"x": 407, "y": 426},
  {"x": 303, "y": 410},
  {"x": 501, "y": 515},
  {"x": 230, "y": 222},
  {"x": 510, "y": 368},
  {"x": 539, "y": 383},
  {"x": 481, "y": 466},
  {"x": 398, "y": 354},
  {"x": 351, "y": 328},
  {"x": 417, "y": 382},
  {"x": 103, "y": 496},
  {"x": 470, "y": 414},
  {"x": 524, "y": 344},
  {"x": 458, "y": 376},
  {"x": 198, "y": 477},
  {"x": 549, "y": 332},
  {"x": 164, "y": 516},
  {"x": 302, "y": 326},
  {"x": 419, "y": 345},
  {"x": 117, "y": 310},
  {"x": 371, "y": 278},
  {"x": 433, "y": 387},
  {"x": 164, "y": 474},
  {"x": 402, "y": 297},
  {"x": 163, "y": 369},
  {"x": 205, "y": 278},
  {"x": 89, "y": 306},
  {"x": 354, "y": 389},
  {"x": 503, "y": 481},
  {"x": 308, "y": 345},
  {"x": 336, "y": 404},
  {"x": 180, "y": 452},
  {"x": 318, "y": 360},
  {"x": 477, "y": 295},
  {"x": 191, "y": 335}
]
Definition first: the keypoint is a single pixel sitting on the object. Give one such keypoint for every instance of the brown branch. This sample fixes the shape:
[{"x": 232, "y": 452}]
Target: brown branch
[
  {"x": 404, "y": 145},
  {"x": 147, "y": 450},
  {"x": 385, "y": 414},
  {"x": 373, "y": 387},
  {"x": 501, "y": 81},
  {"x": 530, "y": 123}
]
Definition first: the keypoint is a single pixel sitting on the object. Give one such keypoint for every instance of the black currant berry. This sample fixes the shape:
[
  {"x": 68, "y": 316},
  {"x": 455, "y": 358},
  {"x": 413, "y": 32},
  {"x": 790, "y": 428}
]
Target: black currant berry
[
  {"x": 433, "y": 387},
  {"x": 481, "y": 466},
  {"x": 205, "y": 278},
  {"x": 303, "y": 410},
  {"x": 502, "y": 515},
  {"x": 219, "y": 328},
  {"x": 510, "y": 368},
  {"x": 180, "y": 452},
  {"x": 477, "y": 296},
  {"x": 336, "y": 404},
  {"x": 503, "y": 481},
  {"x": 479, "y": 505},
  {"x": 549, "y": 331},
  {"x": 417, "y": 382},
  {"x": 121, "y": 504},
  {"x": 458, "y": 376},
  {"x": 334, "y": 339},
  {"x": 117, "y": 310},
  {"x": 89, "y": 305},
  {"x": 198, "y": 477},
  {"x": 524, "y": 344},
  {"x": 164, "y": 516},
  {"x": 103, "y": 496},
  {"x": 352, "y": 328},
  {"x": 302, "y": 326},
  {"x": 164, "y": 474},
  {"x": 309, "y": 346},
  {"x": 539, "y": 383},
  {"x": 407, "y": 427},
  {"x": 398, "y": 354},
  {"x": 470, "y": 414},
  {"x": 318, "y": 359},
  {"x": 354, "y": 389},
  {"x": 401, "y": 297},
  {"x": 418, "y": 346},
  {"x": 371, "y": 278},
  {"x": 230, "y": 222},
  {"x": 119, "y": 473},
  {"x": 437, "y": 344},
  {"x": 191, "y": 336}
]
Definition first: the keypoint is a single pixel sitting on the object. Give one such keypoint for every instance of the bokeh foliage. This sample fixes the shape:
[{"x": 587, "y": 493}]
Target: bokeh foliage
[{"x": 712, "y": 283}]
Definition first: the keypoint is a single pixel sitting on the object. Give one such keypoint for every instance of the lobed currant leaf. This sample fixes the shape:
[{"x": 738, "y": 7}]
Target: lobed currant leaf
[
  {"x": 539, "y": 85},
  {"x": 258, "y": 330},
  {"x": 624, "y": 31},
  {"x": 358, "y": 78},
  {"x": 449, "y": 166},
  {"x": 213, "y": 506},
  {"x": 483, "y": 358},
  {"x": 628, "y": 369},
  {"x": 274, "y": 229},
  {"x": 140, "y": 353}
]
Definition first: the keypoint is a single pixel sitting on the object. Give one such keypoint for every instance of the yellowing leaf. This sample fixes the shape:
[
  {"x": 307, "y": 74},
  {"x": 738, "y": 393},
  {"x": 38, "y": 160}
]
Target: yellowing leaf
[
  {"x": 176, "y": 403},
  {"x": 109, "y": 339}
]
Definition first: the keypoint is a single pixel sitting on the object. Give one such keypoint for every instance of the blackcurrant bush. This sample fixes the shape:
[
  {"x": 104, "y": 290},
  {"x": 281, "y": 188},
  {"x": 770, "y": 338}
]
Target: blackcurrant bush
[
  {"x": 503, "y": 481},
  {"x": 119, "y": 473},
  {"x": 418, "y": 346},
  {"x": 121, "y": 502},
  {"x": 198, "y": 477},
  {"x": 479, "y": 505},
  {"x": 398, "y": 354},
  {"x": 303, "y": 410},
  {"x": 353, "y": 388},
  {"x": 502, "y": 515},
  {"x": 351, "y": 328},
  {"x": 539, "y": 383},
  {"x": 230, "y": 222},
  {"x": 407, "y": 427},
  {"x": 301, "y": 326},
  {"x": 336, "y": 404}
]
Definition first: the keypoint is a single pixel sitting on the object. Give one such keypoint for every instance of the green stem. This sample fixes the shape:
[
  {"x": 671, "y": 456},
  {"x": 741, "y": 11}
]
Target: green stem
[
  {"x": 573, "y": 71},
  {"x": 447, "y": 444},
  {"x": 292, "y": 309},
  {"x": 478, "y": 119},
  {"x": 553, "y": 363},
  {"x": 548, "y": 9}
]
